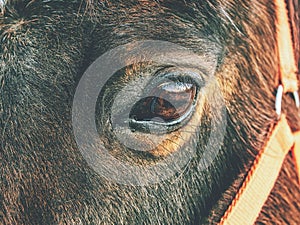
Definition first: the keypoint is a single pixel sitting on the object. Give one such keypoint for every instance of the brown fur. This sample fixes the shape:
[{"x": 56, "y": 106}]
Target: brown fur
[{"x": 45, "y": 46}]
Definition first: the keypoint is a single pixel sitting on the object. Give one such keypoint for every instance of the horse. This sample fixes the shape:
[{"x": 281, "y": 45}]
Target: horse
[{"x": 144, "y": 112}]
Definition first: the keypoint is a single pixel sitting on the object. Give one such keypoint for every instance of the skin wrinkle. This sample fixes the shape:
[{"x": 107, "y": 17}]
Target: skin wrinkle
[{"x": 44, "y": 178}]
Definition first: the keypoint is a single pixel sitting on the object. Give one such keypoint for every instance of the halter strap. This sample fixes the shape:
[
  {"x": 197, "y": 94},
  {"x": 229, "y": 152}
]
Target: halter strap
[
  {"x": 263, "y": 174},
  {"x": 261, "y": 178},
  {"x": 287, "y": 62},
  {"x": 287, "y": 65},
  {"x": 296, "y": 153}
]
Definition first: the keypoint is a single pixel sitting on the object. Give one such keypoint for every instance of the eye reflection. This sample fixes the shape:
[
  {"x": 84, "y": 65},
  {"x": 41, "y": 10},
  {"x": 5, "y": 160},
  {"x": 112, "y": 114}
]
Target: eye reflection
[{"x": 168, "y": 104}]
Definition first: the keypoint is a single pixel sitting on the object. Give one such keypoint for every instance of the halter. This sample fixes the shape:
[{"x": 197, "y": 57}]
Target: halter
[{"x": 262, "y": 175}]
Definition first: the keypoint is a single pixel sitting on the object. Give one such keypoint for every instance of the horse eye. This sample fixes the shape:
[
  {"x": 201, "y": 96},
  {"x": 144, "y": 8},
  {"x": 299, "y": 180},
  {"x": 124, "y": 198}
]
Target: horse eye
[{"x": 167, "y": 105}]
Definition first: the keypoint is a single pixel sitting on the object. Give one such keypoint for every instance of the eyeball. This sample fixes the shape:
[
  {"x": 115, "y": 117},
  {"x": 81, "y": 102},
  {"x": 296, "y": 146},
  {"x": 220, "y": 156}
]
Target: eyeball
[{"x": 169, "y": 103}]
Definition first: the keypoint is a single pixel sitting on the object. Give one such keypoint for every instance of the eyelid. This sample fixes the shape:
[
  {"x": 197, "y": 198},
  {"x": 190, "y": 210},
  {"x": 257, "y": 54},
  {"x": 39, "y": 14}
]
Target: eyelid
[
  {"x": 172, "y": 123},
  {"x": 181, "y": 87},
  {"x": 175, "y": 74}
]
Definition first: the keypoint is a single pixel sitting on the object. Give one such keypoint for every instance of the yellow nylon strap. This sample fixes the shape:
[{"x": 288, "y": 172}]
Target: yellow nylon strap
[
  {"x": 287, "y": 62},
  {"x": 261, "y": 178},
  {"x": 296, "y": 154}
]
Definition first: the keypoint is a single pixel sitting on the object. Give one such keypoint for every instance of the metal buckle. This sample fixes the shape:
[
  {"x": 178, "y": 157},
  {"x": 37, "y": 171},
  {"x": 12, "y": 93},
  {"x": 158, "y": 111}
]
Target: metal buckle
[{"x": 278, "y": 100}]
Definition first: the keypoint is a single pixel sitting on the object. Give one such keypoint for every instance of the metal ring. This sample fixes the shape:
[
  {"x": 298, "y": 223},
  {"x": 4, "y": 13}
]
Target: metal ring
[
  {"x": 278, "y": 100},
  {"x": 296, "y": 98}
]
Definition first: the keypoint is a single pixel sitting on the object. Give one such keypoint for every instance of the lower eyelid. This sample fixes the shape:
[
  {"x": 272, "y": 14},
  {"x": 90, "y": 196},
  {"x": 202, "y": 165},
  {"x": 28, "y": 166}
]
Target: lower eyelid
[{"x": 176, "y": 140}]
